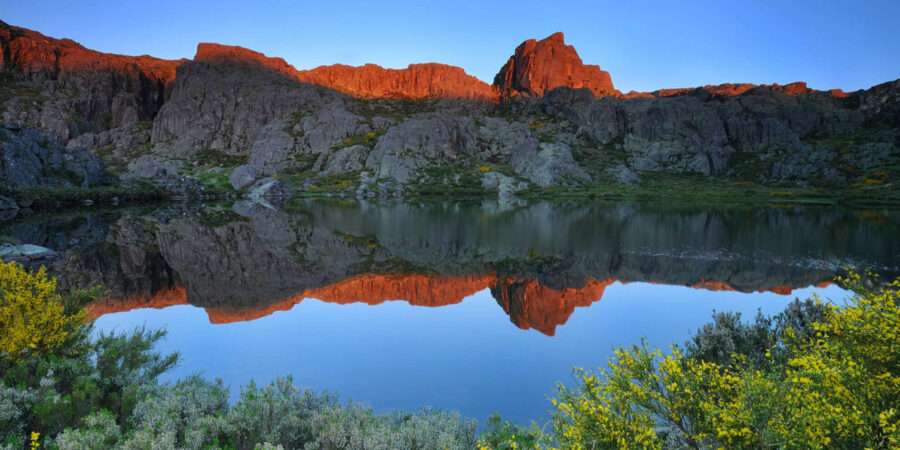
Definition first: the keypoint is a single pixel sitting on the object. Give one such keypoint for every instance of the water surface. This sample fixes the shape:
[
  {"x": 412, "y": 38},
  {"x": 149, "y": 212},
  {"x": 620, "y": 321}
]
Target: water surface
[{"x": 477, "y": 307}]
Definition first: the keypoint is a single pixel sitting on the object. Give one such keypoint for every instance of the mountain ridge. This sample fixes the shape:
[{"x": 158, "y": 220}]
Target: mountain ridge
[
  {"x": 233, "y": 119},
  {"x": 557, "y": 64}
]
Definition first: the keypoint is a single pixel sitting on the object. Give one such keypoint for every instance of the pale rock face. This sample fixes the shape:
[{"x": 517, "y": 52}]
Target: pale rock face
[
  {"x": 548, "y": 164},
  {"x": 418, "y": 142}
]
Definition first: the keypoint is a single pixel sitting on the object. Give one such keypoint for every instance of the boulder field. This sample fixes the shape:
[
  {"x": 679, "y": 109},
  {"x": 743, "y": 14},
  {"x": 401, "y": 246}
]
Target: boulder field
[{"x": 231, "y": 116}]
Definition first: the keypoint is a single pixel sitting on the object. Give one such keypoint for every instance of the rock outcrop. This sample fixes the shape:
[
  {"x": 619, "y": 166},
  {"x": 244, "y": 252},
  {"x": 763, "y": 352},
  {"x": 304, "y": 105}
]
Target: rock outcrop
[
  {"x": 79, "y": 90},
  {"x": 540, "y": 66},
  {"x": 730, "y": 90},
  {"x": 28, "y": 158},
  {"x": 560, "y": 122},
  {"x": 418, "y": 81}
]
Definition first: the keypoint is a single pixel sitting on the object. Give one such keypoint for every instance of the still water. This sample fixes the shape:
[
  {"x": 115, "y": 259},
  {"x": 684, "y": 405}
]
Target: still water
[{"x": 476, "y": 307}]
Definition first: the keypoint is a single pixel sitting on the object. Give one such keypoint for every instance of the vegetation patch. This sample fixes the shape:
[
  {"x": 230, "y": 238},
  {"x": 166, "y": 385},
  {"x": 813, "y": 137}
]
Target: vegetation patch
[
  {"x": 397, "y": 109},
  {"x": 53, "y": 197},
  {"x": 450, "y": 181},
  {"x": 368, "y": 140},
  {"x": 217, "y": 158},
  {"x": 214, "y": 218}
]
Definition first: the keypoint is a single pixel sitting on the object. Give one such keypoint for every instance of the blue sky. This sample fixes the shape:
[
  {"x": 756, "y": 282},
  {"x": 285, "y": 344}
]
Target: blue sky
[{"x": 645, "y": 45}]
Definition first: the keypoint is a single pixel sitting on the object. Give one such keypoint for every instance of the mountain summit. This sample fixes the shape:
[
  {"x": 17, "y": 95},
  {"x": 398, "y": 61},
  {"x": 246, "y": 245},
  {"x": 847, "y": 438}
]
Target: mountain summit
[{"x": 540, "y": 66}]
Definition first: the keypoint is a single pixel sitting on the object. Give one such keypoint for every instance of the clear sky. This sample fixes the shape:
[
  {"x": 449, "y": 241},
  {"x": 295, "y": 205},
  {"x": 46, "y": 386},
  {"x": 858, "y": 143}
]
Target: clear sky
[{"x": 645, "y": 45}]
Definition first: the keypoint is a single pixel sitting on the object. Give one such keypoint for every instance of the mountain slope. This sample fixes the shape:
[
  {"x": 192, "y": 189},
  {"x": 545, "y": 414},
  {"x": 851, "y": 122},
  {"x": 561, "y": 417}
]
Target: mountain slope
[{"x": 232, "y": 116}]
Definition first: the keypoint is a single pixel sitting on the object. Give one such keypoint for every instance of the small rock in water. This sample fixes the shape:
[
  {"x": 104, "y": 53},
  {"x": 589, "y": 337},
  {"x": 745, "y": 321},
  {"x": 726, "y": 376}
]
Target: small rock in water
[
  {"x": 7, "y": 203},
  {"x": 25, "y": 253}
]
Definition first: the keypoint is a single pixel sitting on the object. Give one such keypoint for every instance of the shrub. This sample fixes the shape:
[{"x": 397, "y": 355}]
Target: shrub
[
  {"x": 33, "y": 316},
  {"x": 501, "y": 434},
  {"x": 830, "y": 377}
]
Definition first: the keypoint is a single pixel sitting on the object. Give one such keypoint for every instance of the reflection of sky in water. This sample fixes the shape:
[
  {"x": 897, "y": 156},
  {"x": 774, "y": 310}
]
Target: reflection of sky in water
[{"x": 467, "y": 357}]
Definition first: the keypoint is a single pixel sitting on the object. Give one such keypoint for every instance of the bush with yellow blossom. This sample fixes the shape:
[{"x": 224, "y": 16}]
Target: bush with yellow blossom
[
  {"x": 33, "y": 316},
  {"x": 833, "y": 385}
]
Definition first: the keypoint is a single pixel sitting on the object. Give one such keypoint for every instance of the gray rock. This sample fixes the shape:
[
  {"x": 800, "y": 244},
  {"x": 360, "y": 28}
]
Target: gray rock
[
  {"x": 621, "y": 174},
  {"x": 436, "y": 139},
  {"x": 266, "y": 187},
  {"x": 347, "y": 159},
  {"x": 7, "y": 203},
  {"x": 548, "y": 164},
  {"x": 25, "y": 253},
  {"x": 243, "y": 176},
  {"x": 29, "y": 158},
  {"x": 504, "y": 185}
]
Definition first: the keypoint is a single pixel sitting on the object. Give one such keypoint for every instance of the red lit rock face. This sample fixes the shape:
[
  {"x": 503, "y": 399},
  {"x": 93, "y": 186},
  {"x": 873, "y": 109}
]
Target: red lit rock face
[
  {"x": 369, "y": 81},
  {"x": 207, "y": 52},
  {"x": 731, "y": 90},
  {"x": 97, "y": 87},
  {"x": 34, "y": 53},
  {"x": 429, "y": 80},
  {"x": 539, "y": 66}
]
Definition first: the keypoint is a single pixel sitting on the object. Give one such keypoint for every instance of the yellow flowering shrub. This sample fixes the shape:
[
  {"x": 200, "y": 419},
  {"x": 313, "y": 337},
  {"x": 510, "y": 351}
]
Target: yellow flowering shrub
[
  {"x": 32, "y": 315},
  {"x": 838, "y": 388}
]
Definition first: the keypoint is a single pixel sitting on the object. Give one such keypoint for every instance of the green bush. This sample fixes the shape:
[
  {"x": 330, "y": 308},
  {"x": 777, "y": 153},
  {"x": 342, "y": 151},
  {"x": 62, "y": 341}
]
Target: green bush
[{"x": 816, "y": 376}]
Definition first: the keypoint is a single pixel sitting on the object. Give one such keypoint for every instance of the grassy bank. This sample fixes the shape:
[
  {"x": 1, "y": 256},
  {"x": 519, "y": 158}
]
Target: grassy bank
[{"x": 701, "y": 189}]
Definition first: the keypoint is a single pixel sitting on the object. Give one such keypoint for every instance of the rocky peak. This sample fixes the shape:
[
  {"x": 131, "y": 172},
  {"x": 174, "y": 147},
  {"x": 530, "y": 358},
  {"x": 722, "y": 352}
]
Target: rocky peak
[
  {"x": 102, "y": 89},
  {"x": 540, "y": 66},
  {"x": 427, "y": 80},
  {"x": 734, "y": 89},
  {"x": 36, "y": 54},
  {"x": 218, "y": 53}
]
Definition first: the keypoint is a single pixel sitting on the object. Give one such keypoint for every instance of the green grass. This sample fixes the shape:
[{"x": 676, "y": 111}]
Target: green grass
[
  {"x": 214, "y": 218},
  {"x": 451, "y": 181},
  {"x": 368, "y": 139},
  {"x": 215, "y": 179},
  {"x": 696, "y": 188},
  {"x": 397, "y": 109},
  {"x": 217, "y": 158}
]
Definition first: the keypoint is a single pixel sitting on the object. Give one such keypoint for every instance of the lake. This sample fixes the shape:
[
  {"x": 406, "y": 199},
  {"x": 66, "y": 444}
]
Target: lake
[{"x": 479, "y": 307}]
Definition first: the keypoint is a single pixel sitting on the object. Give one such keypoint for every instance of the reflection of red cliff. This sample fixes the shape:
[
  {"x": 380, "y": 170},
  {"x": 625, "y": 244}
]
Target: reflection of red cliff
[
  {"x": 532, "y": 305},
  {"x": 372, "y": 289},
  {"x": 529, "y": 304},
  {"x": 159, "y": 300}
]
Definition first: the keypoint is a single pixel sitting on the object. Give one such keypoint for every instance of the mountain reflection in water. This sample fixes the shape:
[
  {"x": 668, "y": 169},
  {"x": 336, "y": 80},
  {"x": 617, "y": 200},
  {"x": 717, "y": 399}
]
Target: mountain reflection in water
[
  {"x": 540, "y": 261},
  {"x": 296, "y": 286}
]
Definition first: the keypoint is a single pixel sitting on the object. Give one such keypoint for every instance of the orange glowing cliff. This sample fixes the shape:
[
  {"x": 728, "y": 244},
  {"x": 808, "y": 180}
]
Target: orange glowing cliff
[{"x": 535, "y": 68}]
